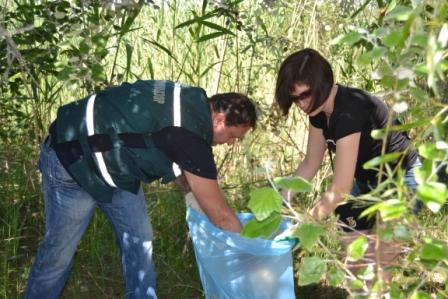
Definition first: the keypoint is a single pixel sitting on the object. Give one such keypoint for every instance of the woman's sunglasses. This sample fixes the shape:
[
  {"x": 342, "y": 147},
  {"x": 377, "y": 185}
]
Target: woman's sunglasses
[{"x": 301, "y": 96}]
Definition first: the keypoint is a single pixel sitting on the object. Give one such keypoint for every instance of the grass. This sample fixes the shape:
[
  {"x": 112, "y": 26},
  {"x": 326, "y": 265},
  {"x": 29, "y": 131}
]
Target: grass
[{"x": 97, "y": 272}]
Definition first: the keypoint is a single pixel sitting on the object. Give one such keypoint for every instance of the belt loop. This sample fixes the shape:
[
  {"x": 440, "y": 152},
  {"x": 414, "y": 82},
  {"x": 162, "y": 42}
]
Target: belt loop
[
  {"x": 85, "y": 146},
  {"x": 147, "y": 138},
  {"x": 116, "y": 141}
]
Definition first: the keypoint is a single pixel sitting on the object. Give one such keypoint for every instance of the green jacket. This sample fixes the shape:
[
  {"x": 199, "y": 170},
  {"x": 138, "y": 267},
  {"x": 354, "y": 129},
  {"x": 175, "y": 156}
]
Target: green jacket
[{"x": 142, "y": 107}]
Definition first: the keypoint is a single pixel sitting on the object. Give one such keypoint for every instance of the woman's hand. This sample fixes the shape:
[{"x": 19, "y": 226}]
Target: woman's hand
[
  {"x": 326, "y": 205},
  {"x": 322, "y": 209},
  {"x": 344, "y": 172}
]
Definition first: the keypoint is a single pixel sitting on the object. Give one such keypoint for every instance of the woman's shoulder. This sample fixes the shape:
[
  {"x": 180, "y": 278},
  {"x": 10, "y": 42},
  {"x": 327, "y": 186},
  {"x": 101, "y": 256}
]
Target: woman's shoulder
[
  {"x": 352, "y": 98},
  {"x": 352, "y": 93}
]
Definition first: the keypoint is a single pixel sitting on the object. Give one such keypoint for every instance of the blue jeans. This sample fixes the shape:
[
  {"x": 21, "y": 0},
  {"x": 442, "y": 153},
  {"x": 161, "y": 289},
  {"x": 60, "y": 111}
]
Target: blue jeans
[
  {"x": 68, "y": 211},
  {"x": 349, "y": 213},
  {"x": 409, "y": 179}
]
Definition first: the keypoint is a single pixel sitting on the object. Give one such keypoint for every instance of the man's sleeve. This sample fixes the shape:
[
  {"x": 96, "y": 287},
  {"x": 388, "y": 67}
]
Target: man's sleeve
[{"x": 187, "y": 150}]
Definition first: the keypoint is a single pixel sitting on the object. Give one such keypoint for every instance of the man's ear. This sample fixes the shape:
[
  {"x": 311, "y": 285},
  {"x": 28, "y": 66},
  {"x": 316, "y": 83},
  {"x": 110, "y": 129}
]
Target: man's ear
[{"x": 219, "y": 119}]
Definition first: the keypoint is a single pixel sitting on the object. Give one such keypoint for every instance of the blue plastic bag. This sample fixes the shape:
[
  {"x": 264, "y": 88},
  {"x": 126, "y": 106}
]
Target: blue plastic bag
[{"x": 235, "y": 267}]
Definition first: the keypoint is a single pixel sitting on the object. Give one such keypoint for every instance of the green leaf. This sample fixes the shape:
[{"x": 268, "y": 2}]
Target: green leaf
[
  {"x": 371, "y": 210},
  {"x": 196, "y": 20},
  {"x": 100, "y": 40},
  {"x": 97, "y": 72},
  {"x": 372, "y": 55},
  {"x": 150, "y": 68},
  {"x": 393, "y": 38},
  {"x": 161, "y": 47},
  {"x": 210, "y": 36},
  {"x": 186, "y": 23},
  {"x": 400, "y": 13},
  {"x": 265, "y": 228},
  {"x": 364, "y": 58},
  {"x": 419, "y": 94},
  {"x": 63, "y": 5},
  {"x": 434, "y": 250},
  {"x": 433, "y": 194},
  {"x": 217, "y": 27},
  {"x": 308, "y": 235},
  {"x": 443, "y": 65},
  {"x": 263, "y": 202},
  {"x": 129, "y": 51},
  {"x": 378, "y": 52},
  {"x": 366, "y": 273},
  {"x": 421, "y": 68},
  {"x": 355, "y": 284},
  {"x": 420, "y": 40},
  {"x": 64, "y": 73},
  {"x": 401, "y": 232},
  {"x": 395, "y": 291},
  {"x": 204, "y": 6},
  {"x": 335, "y": 277},
  {"x": 357, "y": 248},
  {"x": 381, "y": 160},
  {"x": 295, "y": 184},
  {"x": 208, "y": 68},
  {"x": 311, "y": 270},
  {"x": 423, "y": 172},
  {"x": 386, "y": 233},
  {"x": 348, "y": 38},
  {"x": 380, "y": 133},
  {"x": 128, "y": 23},
  {"x": 392, "y": 4},
  {"x": 388, "y": 81},
  {"x": 420, "y": 295},
  {"x": 430, "y": 151},
  {"x": 262, "y": 24},
  {"x": 392, "y": 209},
  {"x": 441, "y": 295},
  {"x": 84, "y": 47}
]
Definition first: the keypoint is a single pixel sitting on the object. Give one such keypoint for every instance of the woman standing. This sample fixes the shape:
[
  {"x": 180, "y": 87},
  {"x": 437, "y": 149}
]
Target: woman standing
[{"x": 341, "y": 119}]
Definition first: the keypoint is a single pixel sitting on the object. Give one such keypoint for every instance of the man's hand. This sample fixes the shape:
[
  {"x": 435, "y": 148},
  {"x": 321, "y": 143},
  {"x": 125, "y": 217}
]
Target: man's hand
[
  {"x": 212, "y": 202},
  {"x": 182, "y": 183}
]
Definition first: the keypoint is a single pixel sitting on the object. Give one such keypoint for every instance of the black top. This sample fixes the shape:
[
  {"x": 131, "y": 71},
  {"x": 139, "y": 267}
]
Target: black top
[
  {"x": 187, "y": 150},
  {"x": 358, "y": 111}
]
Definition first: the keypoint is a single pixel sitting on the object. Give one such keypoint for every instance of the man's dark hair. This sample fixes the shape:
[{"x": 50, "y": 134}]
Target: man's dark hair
[
  {"x": 306, "y": 67},
  {"x": 238, "y": 108}
]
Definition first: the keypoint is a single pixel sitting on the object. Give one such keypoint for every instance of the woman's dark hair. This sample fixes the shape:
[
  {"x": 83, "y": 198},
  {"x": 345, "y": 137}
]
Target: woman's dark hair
[
  {"x": 306, "y": 67},
  {"x": 238, "y": 108}
]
